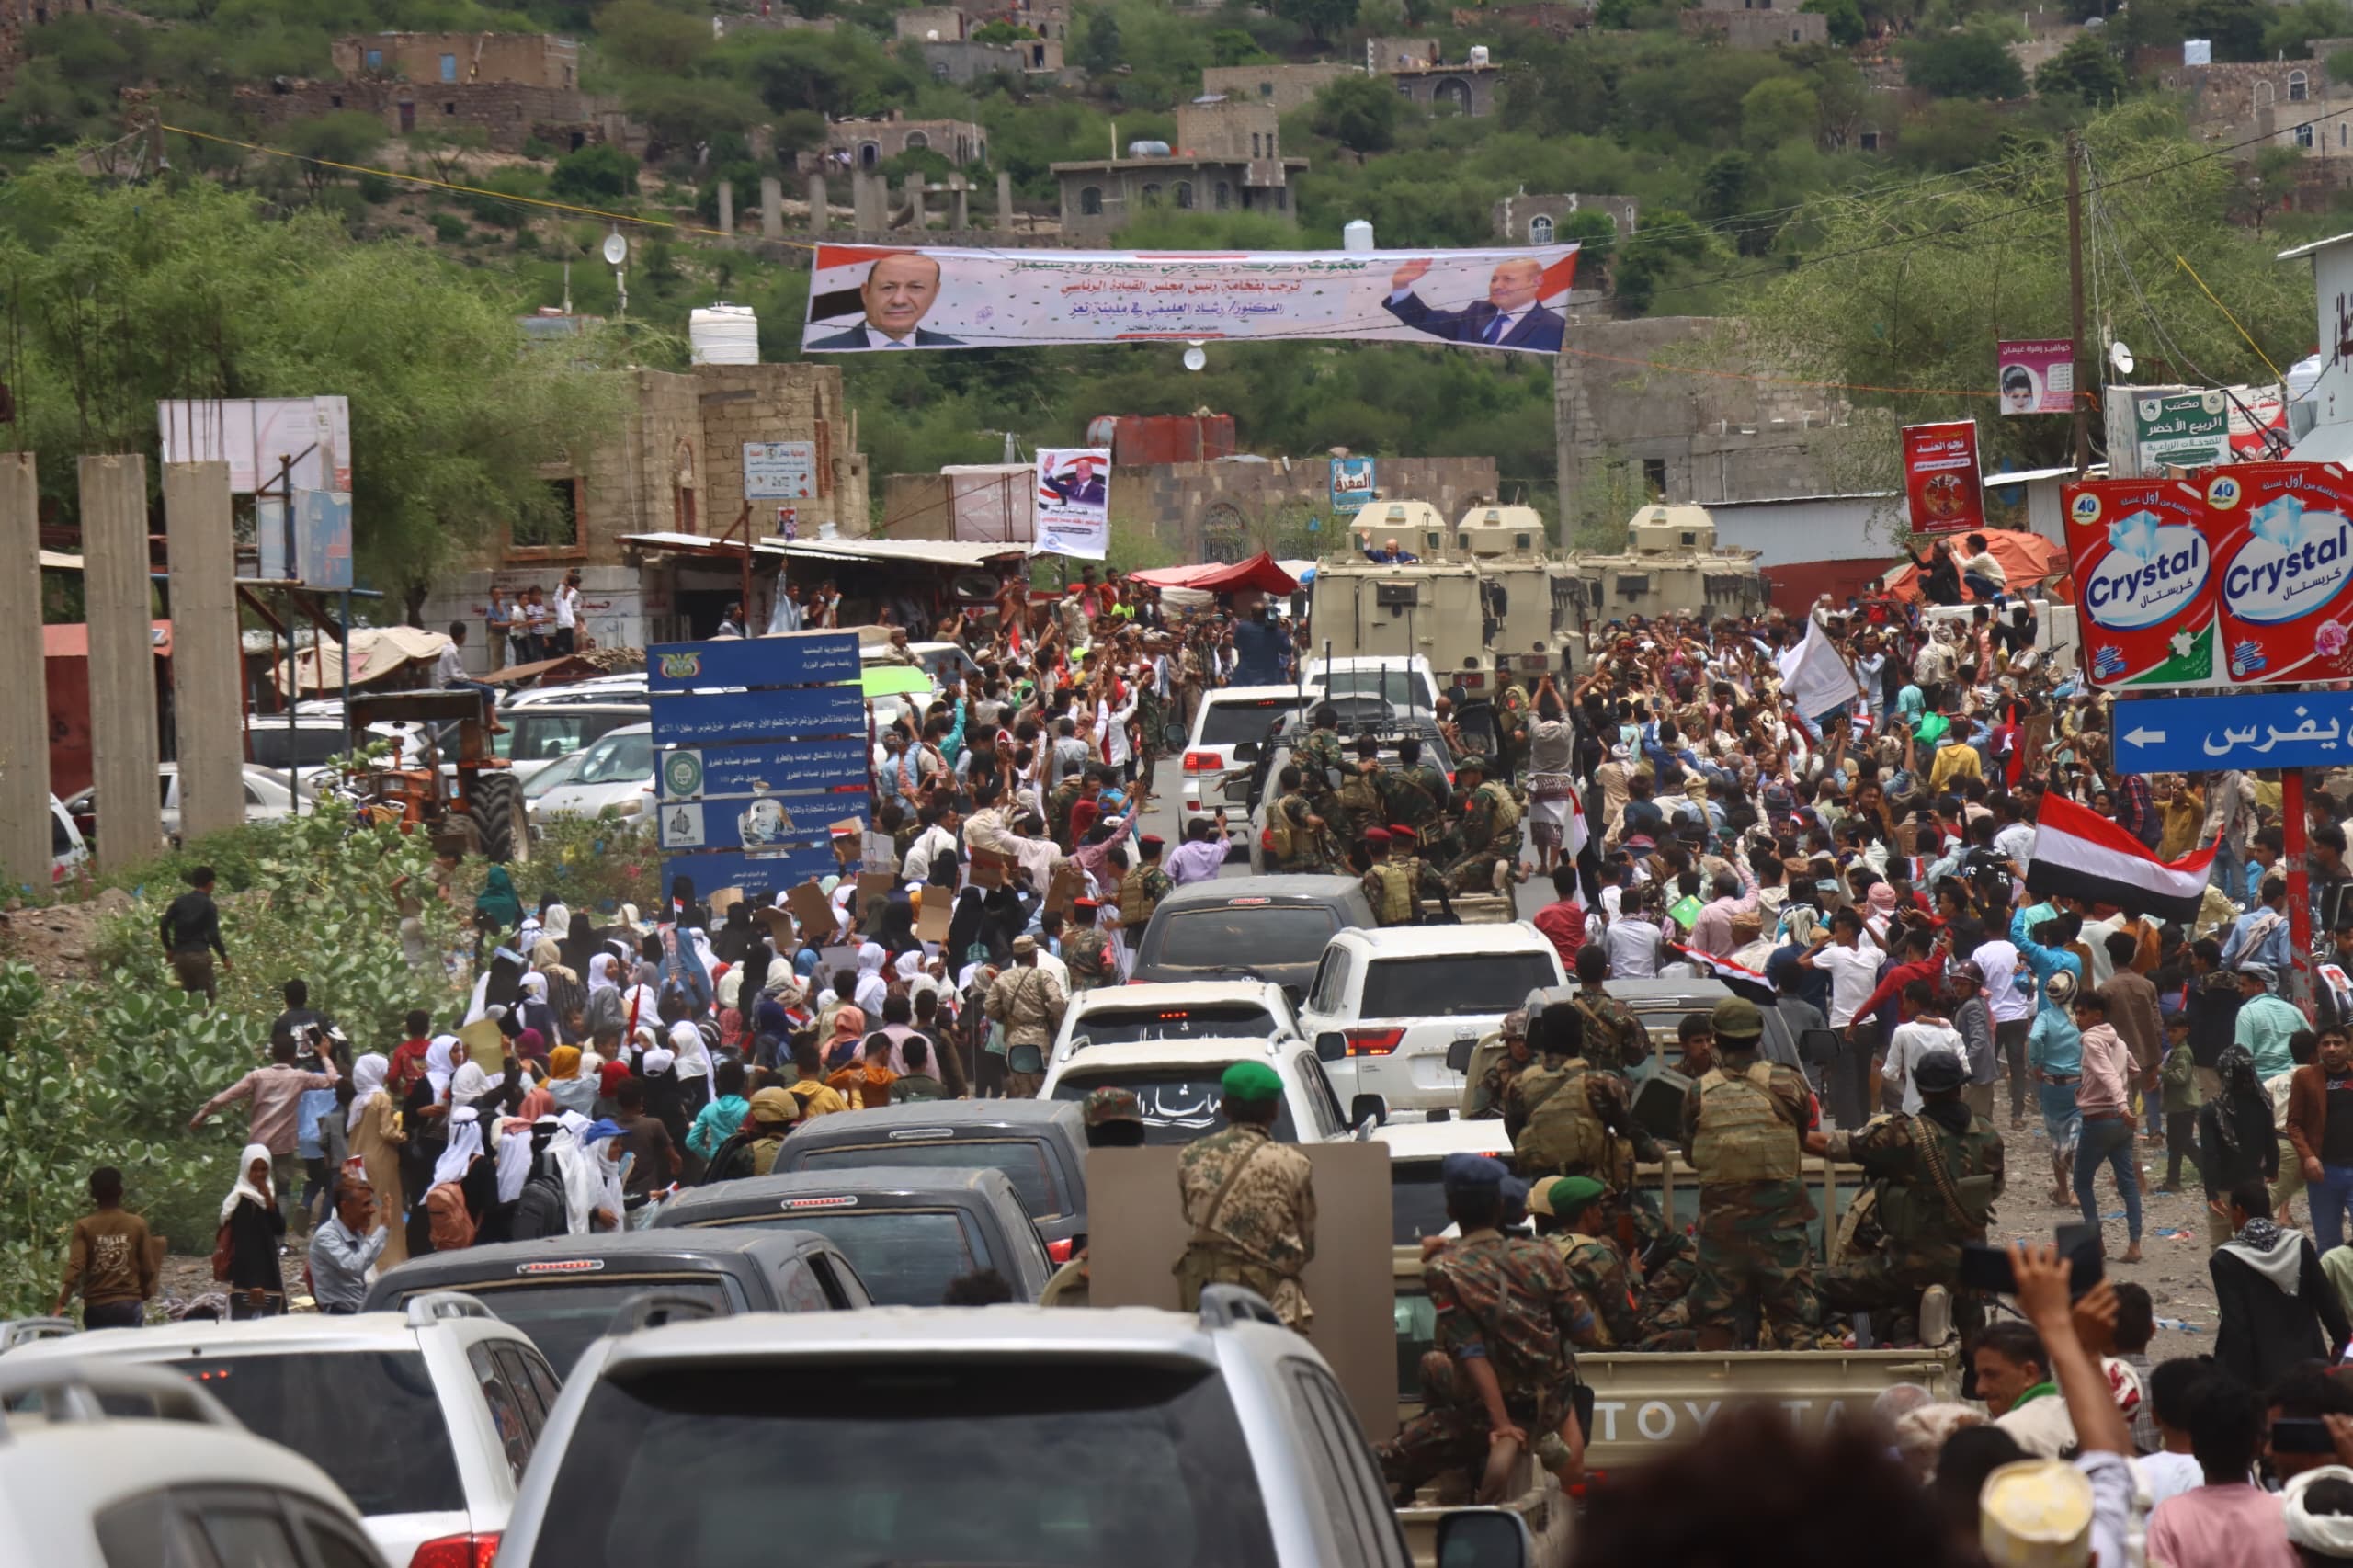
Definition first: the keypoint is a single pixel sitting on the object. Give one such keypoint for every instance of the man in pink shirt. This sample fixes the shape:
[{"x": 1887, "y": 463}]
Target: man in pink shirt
[
  {"x": 2228, "y": 1522},
  {"x": 2100, "y": 1097},
  {"x": 276, "y": 1093}
]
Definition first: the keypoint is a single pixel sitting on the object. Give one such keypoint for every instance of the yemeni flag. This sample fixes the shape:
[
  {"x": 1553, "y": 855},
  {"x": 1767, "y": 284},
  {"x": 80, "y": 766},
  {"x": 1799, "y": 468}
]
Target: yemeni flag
[
  {"x": 1741, "y": 980},
  {"x": 2080, "y": 854}
]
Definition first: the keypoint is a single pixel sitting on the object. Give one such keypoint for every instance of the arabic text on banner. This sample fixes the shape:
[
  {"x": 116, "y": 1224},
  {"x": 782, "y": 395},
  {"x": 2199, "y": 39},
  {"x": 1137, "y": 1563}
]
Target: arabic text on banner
[
  {"x": 1074, "y": 501},
  {"x": 866, "y": 299},
  {"x": 2143, "y": 568},
  {"x": 2036, "y": 375},
  {"x": 1940, "y": 481}
]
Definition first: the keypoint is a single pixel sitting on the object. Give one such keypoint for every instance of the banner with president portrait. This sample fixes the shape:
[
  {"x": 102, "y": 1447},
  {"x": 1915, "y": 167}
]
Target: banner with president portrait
[
  {"x": 864, "y": 299},
  {"x": 1074, "y": 501}
]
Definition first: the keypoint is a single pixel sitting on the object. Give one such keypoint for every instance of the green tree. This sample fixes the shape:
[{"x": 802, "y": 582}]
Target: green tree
[
  {"x": 1725, "y": 184},
  {"x": 1232, "y": 46},
  {"x": 1000, "y": 31},
  {"x": 1666, "y": 241},
  {"x": 599, "y": 172},
  {"x": 1779, "y": 110},
  {"x": 1098, "y": 44},
  {"x": 1322, "y": 19},
  {"x": 1358, "y": 112},
  {"x": 2084, "y": 71},
  {"x": 1846, "y": 25},
  {"x": 1964, "y": 65},
  {"x": 2268, "y": 183},
  {"x": 651, "y": 39},
  {"x": 346, "y": 137}
]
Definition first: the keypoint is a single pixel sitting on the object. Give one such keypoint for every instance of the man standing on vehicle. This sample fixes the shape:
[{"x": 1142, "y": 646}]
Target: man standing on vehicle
[
  {"x": 1415, "y": 793},
  {"x": 1029, "y": 1004},
  {"x": 192, "y": 934},
  {"x": 1503, "y": 1369},
  {"x": 1398, "y": 879},
  {"x": 1141, "y": 890},
  {"x": 1495, "y": 1064},
  {"x": 1490, "y": 830},
  {"x": 1087, "y": 949},
  {"x": 1250, "y": 1201},
  {"x": 1567, "y": 1116},
  {"x": 1569, "y": 1216},
  {"x": 1741, "y": 1121},
  {"x": 1936, "y": 1173},
  {"x": 1297, "y": 840},
  {"x": 1614, "y": 1038},
  {"x": 1322, "y": 763}
]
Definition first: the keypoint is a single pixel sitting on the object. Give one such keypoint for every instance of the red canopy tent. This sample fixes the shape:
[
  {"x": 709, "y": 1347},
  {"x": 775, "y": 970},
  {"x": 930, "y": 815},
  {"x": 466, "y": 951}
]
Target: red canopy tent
[
  {"x": 2026, "y": 559},
  {"x": 1260, "y": 572}
]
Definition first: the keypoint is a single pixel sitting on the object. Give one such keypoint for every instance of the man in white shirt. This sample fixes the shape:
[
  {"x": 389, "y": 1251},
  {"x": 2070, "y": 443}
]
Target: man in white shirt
[
  {"x": 567, "y": 616},
  {"x": 1633, "y": 942},
  {"x": 1852, "y": 961},
  {"x": 938, "y": 838},
  {"x": 2013, "y": 1013},
  {"x": 1921, "y": 1032},
  {"x": 785, "y": 615},
  {"x": 449, "y": 675}
]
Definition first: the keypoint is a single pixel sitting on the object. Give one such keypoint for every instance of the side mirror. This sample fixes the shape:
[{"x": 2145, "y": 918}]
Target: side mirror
[
  {"x": 1459, "y": 1054},
  {"x": 1173, "y": 738},
  {"x": 1331, "y": 1046},
  {"x": 1369, "y": 1108},
  {"x": 1484, "y": 1538},
  {"x": 1236, "y": 787}
]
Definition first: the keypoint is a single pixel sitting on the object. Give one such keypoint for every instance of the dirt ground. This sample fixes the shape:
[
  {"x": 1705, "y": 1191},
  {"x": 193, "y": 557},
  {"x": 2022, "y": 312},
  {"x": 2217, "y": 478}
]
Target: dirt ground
[{"x": 58, "y": 940}]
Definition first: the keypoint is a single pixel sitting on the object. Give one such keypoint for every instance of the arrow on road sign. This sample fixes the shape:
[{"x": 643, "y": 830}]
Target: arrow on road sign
[{"x": 2140, "y": 736}]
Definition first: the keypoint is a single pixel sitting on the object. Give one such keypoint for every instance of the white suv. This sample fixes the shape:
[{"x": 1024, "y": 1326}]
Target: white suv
[
  {"x": 1229, "y": 726},
  {"x": 425, "y": 1418},
  {"x": 1177, "y": 1084},
  {"x": 1181, "y": 1009},
  {"x": 1397, "y": 999},
  {"x": 86, "y": 1485}
]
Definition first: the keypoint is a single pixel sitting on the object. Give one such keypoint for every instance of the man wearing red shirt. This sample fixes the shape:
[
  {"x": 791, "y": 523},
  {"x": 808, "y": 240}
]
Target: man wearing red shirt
[{"x": 1562, "y": 922}]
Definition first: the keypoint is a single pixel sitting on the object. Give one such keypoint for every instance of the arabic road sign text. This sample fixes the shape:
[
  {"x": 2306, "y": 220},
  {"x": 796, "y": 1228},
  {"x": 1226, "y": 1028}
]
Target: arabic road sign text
[
  {"x": 775, "y": 768},
  {"x": 799, "y": 658},
  {"x": 2246, "y": 729}
]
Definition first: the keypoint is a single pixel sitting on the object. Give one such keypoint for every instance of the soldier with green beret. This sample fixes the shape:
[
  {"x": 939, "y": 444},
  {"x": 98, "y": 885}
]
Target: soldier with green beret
[
  {"x": 1250, "y": 1201},
  {"x": 1571, "y": 1216}
]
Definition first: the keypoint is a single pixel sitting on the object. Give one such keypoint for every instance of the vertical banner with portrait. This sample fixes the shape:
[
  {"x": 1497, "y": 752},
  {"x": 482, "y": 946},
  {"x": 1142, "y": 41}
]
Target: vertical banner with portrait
[
  {"x": 1074, "y": 501},
  {"x": 1940, "y": 481},
  {"x": 2036, "y": 375}
]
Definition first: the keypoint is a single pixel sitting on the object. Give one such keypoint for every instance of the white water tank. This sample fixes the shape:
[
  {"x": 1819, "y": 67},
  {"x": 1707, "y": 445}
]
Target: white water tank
[
  {"x": 1147, "y": 149},
  {"x": 723, "y": 335},
  {"x": 1478, "y": 55}
]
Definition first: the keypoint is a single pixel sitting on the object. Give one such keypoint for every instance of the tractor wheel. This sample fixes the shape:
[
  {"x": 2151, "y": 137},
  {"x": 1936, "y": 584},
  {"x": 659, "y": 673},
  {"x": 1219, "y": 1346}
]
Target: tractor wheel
[{"x": 496, "y": 803}]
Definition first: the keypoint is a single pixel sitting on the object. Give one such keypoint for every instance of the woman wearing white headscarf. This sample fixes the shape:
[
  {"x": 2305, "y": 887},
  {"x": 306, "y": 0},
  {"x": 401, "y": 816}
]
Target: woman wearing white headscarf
[
  {"x": 452, "y": 1224},
  {"x": 692, "y": 1064},
  {"x": 871, "y": 985},
  {"x": 586, "y": 1200},
  {"x": 375, "y": 1138},
  {"x": 441, "y": 1064},
  {"x": 257, "y": 1229}
]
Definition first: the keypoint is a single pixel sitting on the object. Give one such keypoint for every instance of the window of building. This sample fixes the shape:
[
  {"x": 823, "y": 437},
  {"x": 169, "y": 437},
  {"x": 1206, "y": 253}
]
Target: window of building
[
  {"x": 1539, "y": 230},
  {"x": 2305, "y": 136},
  {"x": 1869, "y": 141},
  {"x": 449, "y": 68},
  {"x": 1151, "y": 195},
  {"x": 2300, "y": 86},
  {"x": 1453, "y": 91},
  {"x": 1253, "y": 145},
  {"x": 917, "y": 140},
  {"x": 335, "y": 101},
  {"x": 557, "y": 526},
  {"x": 2266, "y": 95},
  {"x": 375, "y": 60},
  {"x": 1654, "y": 477},
  {"x": 449, "y": 108},
  {"x": 1185, "y": 195},
  {"x": 1090, "y": 200},
  {"x": 1221, "y": 194},
  {"x": 870, "y": 154},
  {"x": 1266, "y": 89},
  {"x": 1282, "y": 199}
]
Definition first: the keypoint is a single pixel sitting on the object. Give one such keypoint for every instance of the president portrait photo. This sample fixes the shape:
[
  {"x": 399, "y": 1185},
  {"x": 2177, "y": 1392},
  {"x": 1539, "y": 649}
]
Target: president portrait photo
[
  {"x": 1509, "y": 314},
  {"x": 897, "y": 293}
]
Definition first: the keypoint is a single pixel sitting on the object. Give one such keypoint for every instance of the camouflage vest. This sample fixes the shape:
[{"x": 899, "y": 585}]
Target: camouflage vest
[
  {"x": 1398, "y": 881},
  {"x": 1503, "y": 811},
  {"x": 1743, "y": 1135},
  {"x": 1083, "y": 951},
  {"x": 1929, "y": 1212},
  {"x": 1360, "y": 797},
  {"x": 1562, "y": 1132},
  {"x": 1134, "y": 912}
]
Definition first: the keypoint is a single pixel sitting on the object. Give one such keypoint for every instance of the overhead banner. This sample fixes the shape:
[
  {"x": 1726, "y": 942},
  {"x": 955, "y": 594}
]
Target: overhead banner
[
  {"x": 259, "y": 437},
  {"x": 2036, "y": 375},
  {"x": 2144, "y": 581},
  {"x": 2283, "y": 537},
  {"x": 864, "y": 298},
  {"x": 1074, "y": 501},
  {"x": 1940, "y": 481}
]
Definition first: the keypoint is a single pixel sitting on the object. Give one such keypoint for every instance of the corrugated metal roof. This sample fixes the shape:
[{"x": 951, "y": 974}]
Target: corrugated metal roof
[
  {"x": 698, "y": 544},
  {"x": 918, "y": 551}
]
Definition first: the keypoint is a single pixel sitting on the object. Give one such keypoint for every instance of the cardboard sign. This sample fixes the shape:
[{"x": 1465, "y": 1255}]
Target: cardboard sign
[
  {"x": 721, "y": 901},
  {"x": 780, "y": 925},
  {"x": 873, "y": 885},
  {"x": 933, "y": 919},
  {"x": 832, "y": 961},
  {"x": 1069, "y": 881},
  {"x": 985, "y": 874},
  {"x": 814, "y": 910},
  {"x": 485, "y": 1045}
]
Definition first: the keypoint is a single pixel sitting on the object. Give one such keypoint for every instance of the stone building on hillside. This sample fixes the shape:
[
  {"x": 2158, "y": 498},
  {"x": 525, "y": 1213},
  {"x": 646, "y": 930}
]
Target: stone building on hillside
[
  {"x": 1228, "y": 158},
  {"x": 1528, "y": 219},
  {"x": 1283, "y": 87},
  {"x": 514, "y": 87},
  {"x": 1757, "y": 24},
  {"x": 870, "y": 144},
  {"x": 522, "y": 60},
  {"x": 1466, "y": 88}
]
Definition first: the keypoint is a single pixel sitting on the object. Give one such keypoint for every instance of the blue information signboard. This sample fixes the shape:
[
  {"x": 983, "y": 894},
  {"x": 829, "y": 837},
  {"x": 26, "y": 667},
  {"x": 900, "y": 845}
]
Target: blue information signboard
[
  {"x": 756, "y": 822},
  {"x": 761, "y": 877},
  {"x": 2244, "y": 730},
  {"x": 737, "y": 718},
  {"x": 800, "y": 658},
  {"x": 769, "y": 767}
]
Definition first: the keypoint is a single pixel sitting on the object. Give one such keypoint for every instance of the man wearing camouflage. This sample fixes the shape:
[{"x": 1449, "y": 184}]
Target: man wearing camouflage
[
  {"x": 1569, "y": 1217},
  {"x": 1936, "y": 1175},
  {"x": 1250, "y": 1201},
  {"x": 1504, "y": 1366},
  {"x": 1415, "y": 793},
  {"x": 1302, "y": 844},
  {"x": 1087, "y": 949},
  {"x": 1743, "y": 1122},
  {"x": 1029, "y": 1002},
  {"x": 1567, "y": 1116},
  {"x": 1141, "y": 890},
  {"x": 1062, "y": 799},
  {"x": 1359, "y": 800},
  {"x": 1322, "y": 762},
  {"x": 1490, "y": 830},
  {"x": 1615, "y": 1040},
  {"x": 1398, "y": 879},
  {"x": 1114, "y": 1120},
  {"x": 1495, "y": 1064}
]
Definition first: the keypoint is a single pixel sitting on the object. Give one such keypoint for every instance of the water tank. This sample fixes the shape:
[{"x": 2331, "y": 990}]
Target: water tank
[
  {"x": 1356, "y": 237},
  {"x": 723, "y": 335},
  {"x": 2197, "y": 51},
  {"x": 1147, "y": 149},
  {"x": 1478, "y": 55}
]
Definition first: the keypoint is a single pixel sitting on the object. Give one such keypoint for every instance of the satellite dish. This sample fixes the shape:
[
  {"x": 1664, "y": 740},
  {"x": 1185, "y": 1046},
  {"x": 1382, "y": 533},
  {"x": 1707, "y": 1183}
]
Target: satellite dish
[
  {"x": 616, "y": 249},
  {"x": 2119, "y": 358},
  {"x": 1195, "y": 360}
]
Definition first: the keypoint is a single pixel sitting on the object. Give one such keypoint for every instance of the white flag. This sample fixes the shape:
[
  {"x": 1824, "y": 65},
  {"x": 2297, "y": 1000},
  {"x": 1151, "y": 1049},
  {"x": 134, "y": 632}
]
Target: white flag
[{"x": 1814, "y": 678}]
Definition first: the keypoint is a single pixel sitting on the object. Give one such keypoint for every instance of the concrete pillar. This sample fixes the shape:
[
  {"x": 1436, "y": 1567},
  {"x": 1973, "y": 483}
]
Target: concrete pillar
[
  {"x": 821, "y": 213},
  {"x": 727, "y": 207},
  {"x": 959, "y": 203},
  {"x": 771, "y": 208},
  {"x": 122, "y": 659},
  {"x": 1004, "y": 199},
  {"x": 207, "y": 715},
  {"x": 867, "y": 199},
  {"x": 24, "y": 718},
  {"x": 916, "y": 217}
]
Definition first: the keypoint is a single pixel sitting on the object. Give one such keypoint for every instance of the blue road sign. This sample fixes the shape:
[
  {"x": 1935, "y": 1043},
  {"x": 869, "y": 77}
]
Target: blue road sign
[
  {"x": 761, "y": 877},
  {"x": 756, "y": 824},
  {"x": 735, "y": 718},
  {"x": 773, "y": 767},
  {"x": 2246, "y": 729},
  {"x": 799, "y": 658}
]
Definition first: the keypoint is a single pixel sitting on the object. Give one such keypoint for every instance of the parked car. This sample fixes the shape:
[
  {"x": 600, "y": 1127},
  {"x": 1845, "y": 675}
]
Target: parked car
[
  {"x": 908, "y": 1230},
  {"x": 540, "y": 734},
  {"x": 1229, "y": 726},
  {"x": 269, "y": 797},
  {"x": 1417, "y": 1149},
  {"x": 426, "y": 1418},
  {"x": 68, "y": 850},
  {"x": 614, "y": 774},
  {"x": 1193, "y": 1009},
  {"x": 563, "y": 1291},
  {"x": 1268, "y": 928},
  {"x": 1177, "y": 1083},
  {"x": 1039, "y": 1145},
  {"x": 1387, "y": 1005},
  {"x": 104, "y": 1465}
]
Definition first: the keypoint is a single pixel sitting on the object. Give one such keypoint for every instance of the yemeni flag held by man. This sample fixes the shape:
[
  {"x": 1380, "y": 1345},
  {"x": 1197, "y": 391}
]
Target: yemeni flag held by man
[{"x": 2080, "y": 854}]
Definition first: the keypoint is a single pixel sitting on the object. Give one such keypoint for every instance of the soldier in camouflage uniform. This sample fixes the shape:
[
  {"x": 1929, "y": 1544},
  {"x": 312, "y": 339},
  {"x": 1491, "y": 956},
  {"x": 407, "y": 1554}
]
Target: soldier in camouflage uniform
[
  {"x": 1087, "y": 949},
  {"x": 1937, "y": 1175},
  {"x": 1415, "y": 794},
  {"x": 1569, "y": 1217},
  {"x": 1114, "y": 1120},
  {"x": 1141, "y": 890},
  {"x": 1250, "y": 1201},
  {"x": 1743, "y": 1124},
  {"x": 1398, "y": 879},
  {"x": 1359, "y": 800},
  {"x": 1065, "y": 796},
  {"x": 1301, "y": 843},
  {"x": 1511, "y": 727},
  {"x": 1663, "y": 1314},
  {"x": 1508, "y": 1317},
  {"x": 1030, "y": 1002},
  {"x": 1615, "y": 1039},
  {"x": 1567, "y": 1116},
  {"x": 1322, "y": 761},
  {"x": 1495, "y": 1064},
  {"x": 1152, "y": 714},
  {"x": 1489, "y": 833}
]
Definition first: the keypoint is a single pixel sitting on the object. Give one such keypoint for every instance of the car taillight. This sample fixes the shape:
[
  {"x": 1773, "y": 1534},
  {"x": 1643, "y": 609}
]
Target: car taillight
[
  {"x": 1061, "y": 1251},
  {"x": 457, "y": 1551},
  {"x": 1204, "y": 762},
  {"x": 1472, "y": 680},
  {"x": 1373, "y": 1043}
]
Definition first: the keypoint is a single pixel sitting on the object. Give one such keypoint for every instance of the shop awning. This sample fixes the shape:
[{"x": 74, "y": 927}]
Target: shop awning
[
  {"x": 955, "y": 554},
  {"x": 1261, "y": 572},
  {"x": 697, "y": 544},
  {"x": 2025, "y": 558}
]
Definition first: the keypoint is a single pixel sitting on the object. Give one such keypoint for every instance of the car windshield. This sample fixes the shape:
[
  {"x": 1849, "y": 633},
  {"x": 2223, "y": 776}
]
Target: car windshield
[
  {"x": 554, "y": 776},
  {"x": 1229, "y": 1020},
  {"x": 1245, "y": 937},
  {"x": 564, "y": 1316},
  {"x": 543, "y": 734},
  {"x": 1230, "y": 723},
  {"x": 905, "y": 1256},
  {"x": 859, "y": 1462},
  {"x": 623, "y": 758},
  {"x": 1180, "y": 1104},
  {"x": 1023, "y": 1160},
  {"x": 368, "y": 1418},
  {"x": 1447, "y": 985},
  {"x": 274, "y": 745},
  {"x": 1396, "y": 686}
]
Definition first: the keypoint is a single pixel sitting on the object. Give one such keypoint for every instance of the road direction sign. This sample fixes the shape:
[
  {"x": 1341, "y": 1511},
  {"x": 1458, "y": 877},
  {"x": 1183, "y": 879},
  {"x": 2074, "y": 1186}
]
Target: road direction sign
[
  {"x": 732, "y": 718},
  {"x": 776, "y": 768},
  {"x": 2246, "y": 729},
  {"x": 801, "y": 658}
]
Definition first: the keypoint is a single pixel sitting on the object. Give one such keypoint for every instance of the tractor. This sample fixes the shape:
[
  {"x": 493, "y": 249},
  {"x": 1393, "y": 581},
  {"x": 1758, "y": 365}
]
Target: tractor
[{"x": 482, "y": 803}]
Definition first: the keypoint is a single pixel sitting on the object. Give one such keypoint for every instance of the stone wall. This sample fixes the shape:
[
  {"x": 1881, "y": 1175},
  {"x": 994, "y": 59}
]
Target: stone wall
[
  {"x": 1282, "y": 88},
  {"x": 1214, "y": 511},
  {"x": 1471, "y": 89},
  {"x": 1235, "y": 128},
  {"x": 507, "y": 114},
  {"x": 1513, "y": 214},
  {"x": 527, "y": 60},
  {"x": 1759, "y": 29}
]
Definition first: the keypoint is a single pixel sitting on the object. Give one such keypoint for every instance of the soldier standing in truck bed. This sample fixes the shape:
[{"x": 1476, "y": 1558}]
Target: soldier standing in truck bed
[{"x": 1250, "y": 1201}]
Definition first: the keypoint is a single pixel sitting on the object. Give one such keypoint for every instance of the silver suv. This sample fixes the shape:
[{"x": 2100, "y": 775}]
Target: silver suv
[{"x": 1008, "y": 1434}]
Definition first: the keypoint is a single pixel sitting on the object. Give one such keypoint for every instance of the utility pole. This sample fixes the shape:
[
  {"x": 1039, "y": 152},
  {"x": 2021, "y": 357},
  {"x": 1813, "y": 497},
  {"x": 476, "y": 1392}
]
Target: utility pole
[{"x": 2080, "y": 400}]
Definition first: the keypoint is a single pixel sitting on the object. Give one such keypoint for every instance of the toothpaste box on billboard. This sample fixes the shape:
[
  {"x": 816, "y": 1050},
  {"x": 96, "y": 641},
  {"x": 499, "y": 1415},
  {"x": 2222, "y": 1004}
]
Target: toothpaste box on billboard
[
  {"x": 2143, "y": 560},
  {"x": 2282, "y": 539}
]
